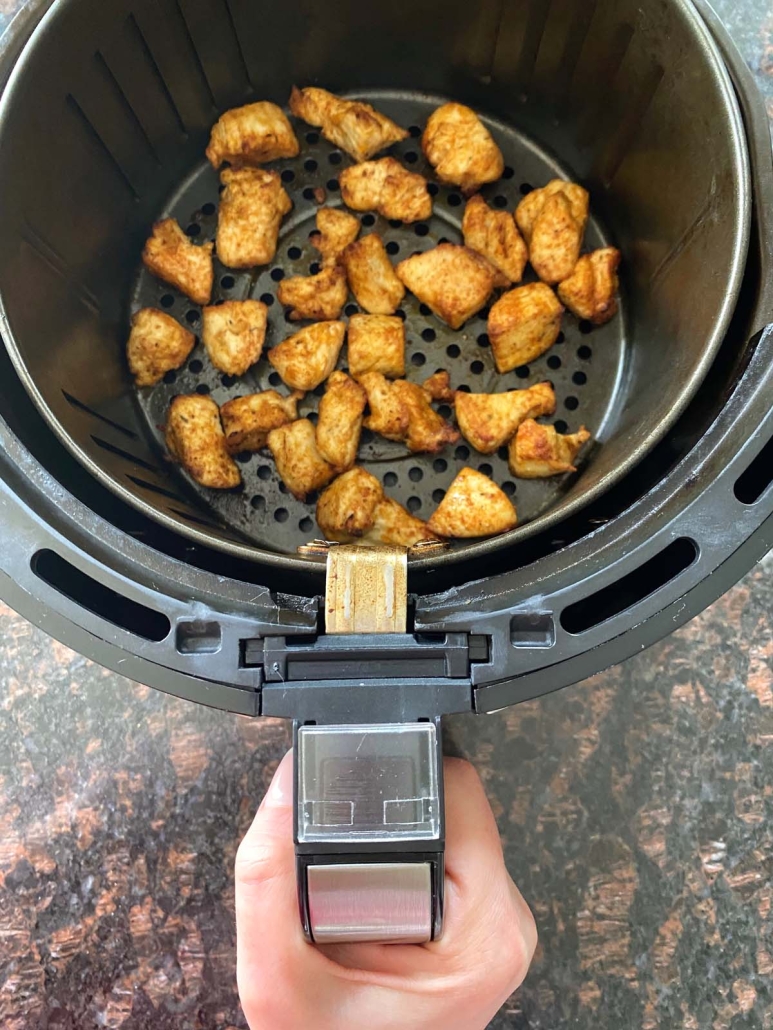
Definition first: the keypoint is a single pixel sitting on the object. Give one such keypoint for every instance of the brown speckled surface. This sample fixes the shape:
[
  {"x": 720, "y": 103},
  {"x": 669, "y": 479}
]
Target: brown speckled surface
[{"x": 636, "y": 810}]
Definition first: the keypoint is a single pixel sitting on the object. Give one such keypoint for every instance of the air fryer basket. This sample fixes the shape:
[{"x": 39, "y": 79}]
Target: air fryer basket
[{"x": 631, "y": 99}]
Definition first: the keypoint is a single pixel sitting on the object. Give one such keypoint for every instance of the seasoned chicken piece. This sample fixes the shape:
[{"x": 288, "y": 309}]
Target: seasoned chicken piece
[
  {"x": 252, "y": 135},
  {"x": 376, "y": 343},
  {"x": 195, "y": 438},
  {"x": 247, "y": 421},
  {"x": 371, "y": 276},
  {"x": 428, "y": 432},
  {"x": 306, "y": 359},
  {"x": 553, "y": 221},
  {"x": 251, "y": 210},
  {"x": 354, "y": 509},
  {"x": 523, "y": 324},
  {"x": 590, "y": 290},
  {"x": 320, "y": 297},
  {"x": 489, "y": 420},
  {"x": 438, "y": 387},
  {"x": 388, "y": 188},
  {"x": 389, "y": 415},
  {"x": 454, "y": 281},
  {"x": 336, "y": 230},
  {"x": 537, "y": 451},
  {"x": 157, "y": 344},
  {"x": 473, "y": 507},
  {"x": 298, "y": 462},
  {"x": 233, "y": 333},
  {"x": 173, "y": 257},
  {"x": 340, "y": 421},
  {"x": 355, "y": 127},
  {"x": 495, "y": 235},
  {"x": 459, "y": 147}
]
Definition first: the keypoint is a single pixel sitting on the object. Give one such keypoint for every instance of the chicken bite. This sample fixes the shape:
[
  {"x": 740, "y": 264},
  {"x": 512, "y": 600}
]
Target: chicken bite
[
  {"x": 376, "y": 343},
  {"x": 495, "y": 235},
  {"x": 300, "y": 465},
  {"x": 523, "y": 324},
  {"x": 553, "y": 221},
  {"x": 340, "y": 421},
  {"x": 438, "y": 387},
  {"x": 173, "y": 257},
  {"x": 307, "y": 358},
  {"x": 247, "y": 421},
  {"x": 157, "y": 344},
  {"x": 590, "y": 290},
  {"x": 453, "y": 281},
  {"x": 336, "y": 229},
  {"x": 354, "y": 509},
  {"x": 320, "y": 297},
  {"x": 388, "y": 188},
  {"x": 195, "y": 438},
  {"x": 473, "y": 506},
  {"x": 252, "y": 207},
  {"x": 460, "y": 148},
  {"x": 489, "y": 420},
  {"x": 251, "y": 135},
  {"x": 352, "y": 125},
  {"x": 371, "y": 276},
  {"x": 539, "y": 451},
  {"x": 401, "y": 411},
  {"x": 233, "y": 333},
  {"x": 388, "y": 414}
]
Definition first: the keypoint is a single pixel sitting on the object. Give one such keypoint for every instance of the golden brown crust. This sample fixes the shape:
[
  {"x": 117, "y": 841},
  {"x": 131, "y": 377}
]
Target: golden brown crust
[
  {"x": 157, "y": 344},
  {"x": 234, "y": 333},
  {"x": 336, "y": 229},
  {"x": 372, "y": 278},
  {"x": 438, "y": 387},
  {"x": 251, "y": 210},
  {"x": 400, "y": 410},
  {"x": 300, "y": 465},
  {"x": 388, "y": 414},
  {"x": 320, "y": 297},
  {"x": 354, "y": 509},
  {"x": 195, "y": 438},
  {"x": 553, "y": 221},
  {"x": 495, "y": 236},
  {"x": 590, "y": 290},
  {"x": 247, "y": 421},
  {"x": 489, "y": 420},
  {"x": 453, "y": 281},
  {"x": 539, "y": 451},
  {"x": 171, "y": 256},
  {"x": 460, "y": 148},
  {"x": 388, "y": 188},
  {"x": 252, "y": 135},
  {"x": 523, "y": 324},
  {"x": 307, "y": 358},
  {"x": 376, "y": 343},
  {"x": 340, "y": 421},
  {"x": 355, "y": 127},
  {"x": 473, "y": 506}
]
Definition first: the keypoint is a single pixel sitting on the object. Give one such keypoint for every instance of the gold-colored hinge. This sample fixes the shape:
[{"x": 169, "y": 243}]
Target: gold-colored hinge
[{"x": 366, "y": 590}]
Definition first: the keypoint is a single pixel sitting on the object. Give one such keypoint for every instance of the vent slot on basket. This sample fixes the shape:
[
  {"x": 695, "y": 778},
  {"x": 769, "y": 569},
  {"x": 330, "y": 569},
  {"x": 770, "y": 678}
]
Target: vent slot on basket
[
  {"x": 753, "y": 483},
  {"x": 95, "y": 597},
  {"x": 617, "y": 597}
]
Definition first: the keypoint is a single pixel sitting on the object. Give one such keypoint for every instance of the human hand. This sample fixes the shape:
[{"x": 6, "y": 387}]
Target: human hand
[{"x": 457, "y": 983}]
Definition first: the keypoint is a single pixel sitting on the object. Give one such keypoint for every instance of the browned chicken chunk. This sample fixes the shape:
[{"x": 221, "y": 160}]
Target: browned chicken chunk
[
  {"x": 438, "y": 387},
  {"x": 355, "y": 127},
  {"x": 400, "y": 410},
  {"x": 473, "y": 506},
  {"x": 489, "y": 420},
  {"x": 252, "y": 207},
  {"x": 388, "y": 414},
  {"x": 590, "y": 290},
  {"x": 195, "y": 438},
  {"x": 336, "y": 229},
  {"x": 251, "y": 135},
  {"x": 453, "y": 281},
  {"x": 354, "y": 509},
  {"x": 171, "y": 256},
  {"x": 300, "y": 465},
  {"x": 157, "y": 344},
  {"x": 459, "y": 147},
  {"x": 523, "y": 324},
  {"x": 495, "y": 235},
  {"x": 388, "y": 188},
  {"x": 371, "y": 276},
  {"x": 340, "y": 421},
  {"x": 306, "y": 359},
  {"x": 247, "y": 421},
  {"x": 539, "y": 451},
  {"x": 376, "y": 343},
  {"x": 553, "y": 220},
  {"x": 233, "y": 333},
  {"x": 320, "y": 297}
]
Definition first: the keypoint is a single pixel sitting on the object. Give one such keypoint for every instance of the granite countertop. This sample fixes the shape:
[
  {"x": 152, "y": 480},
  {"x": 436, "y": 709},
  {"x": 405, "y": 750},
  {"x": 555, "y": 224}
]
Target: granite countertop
[{"x": 636, "y": 811}]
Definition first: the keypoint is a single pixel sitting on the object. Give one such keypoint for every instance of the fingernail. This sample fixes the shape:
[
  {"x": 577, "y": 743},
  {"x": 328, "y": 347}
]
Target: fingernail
[{"x": 280, "y": 791}]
